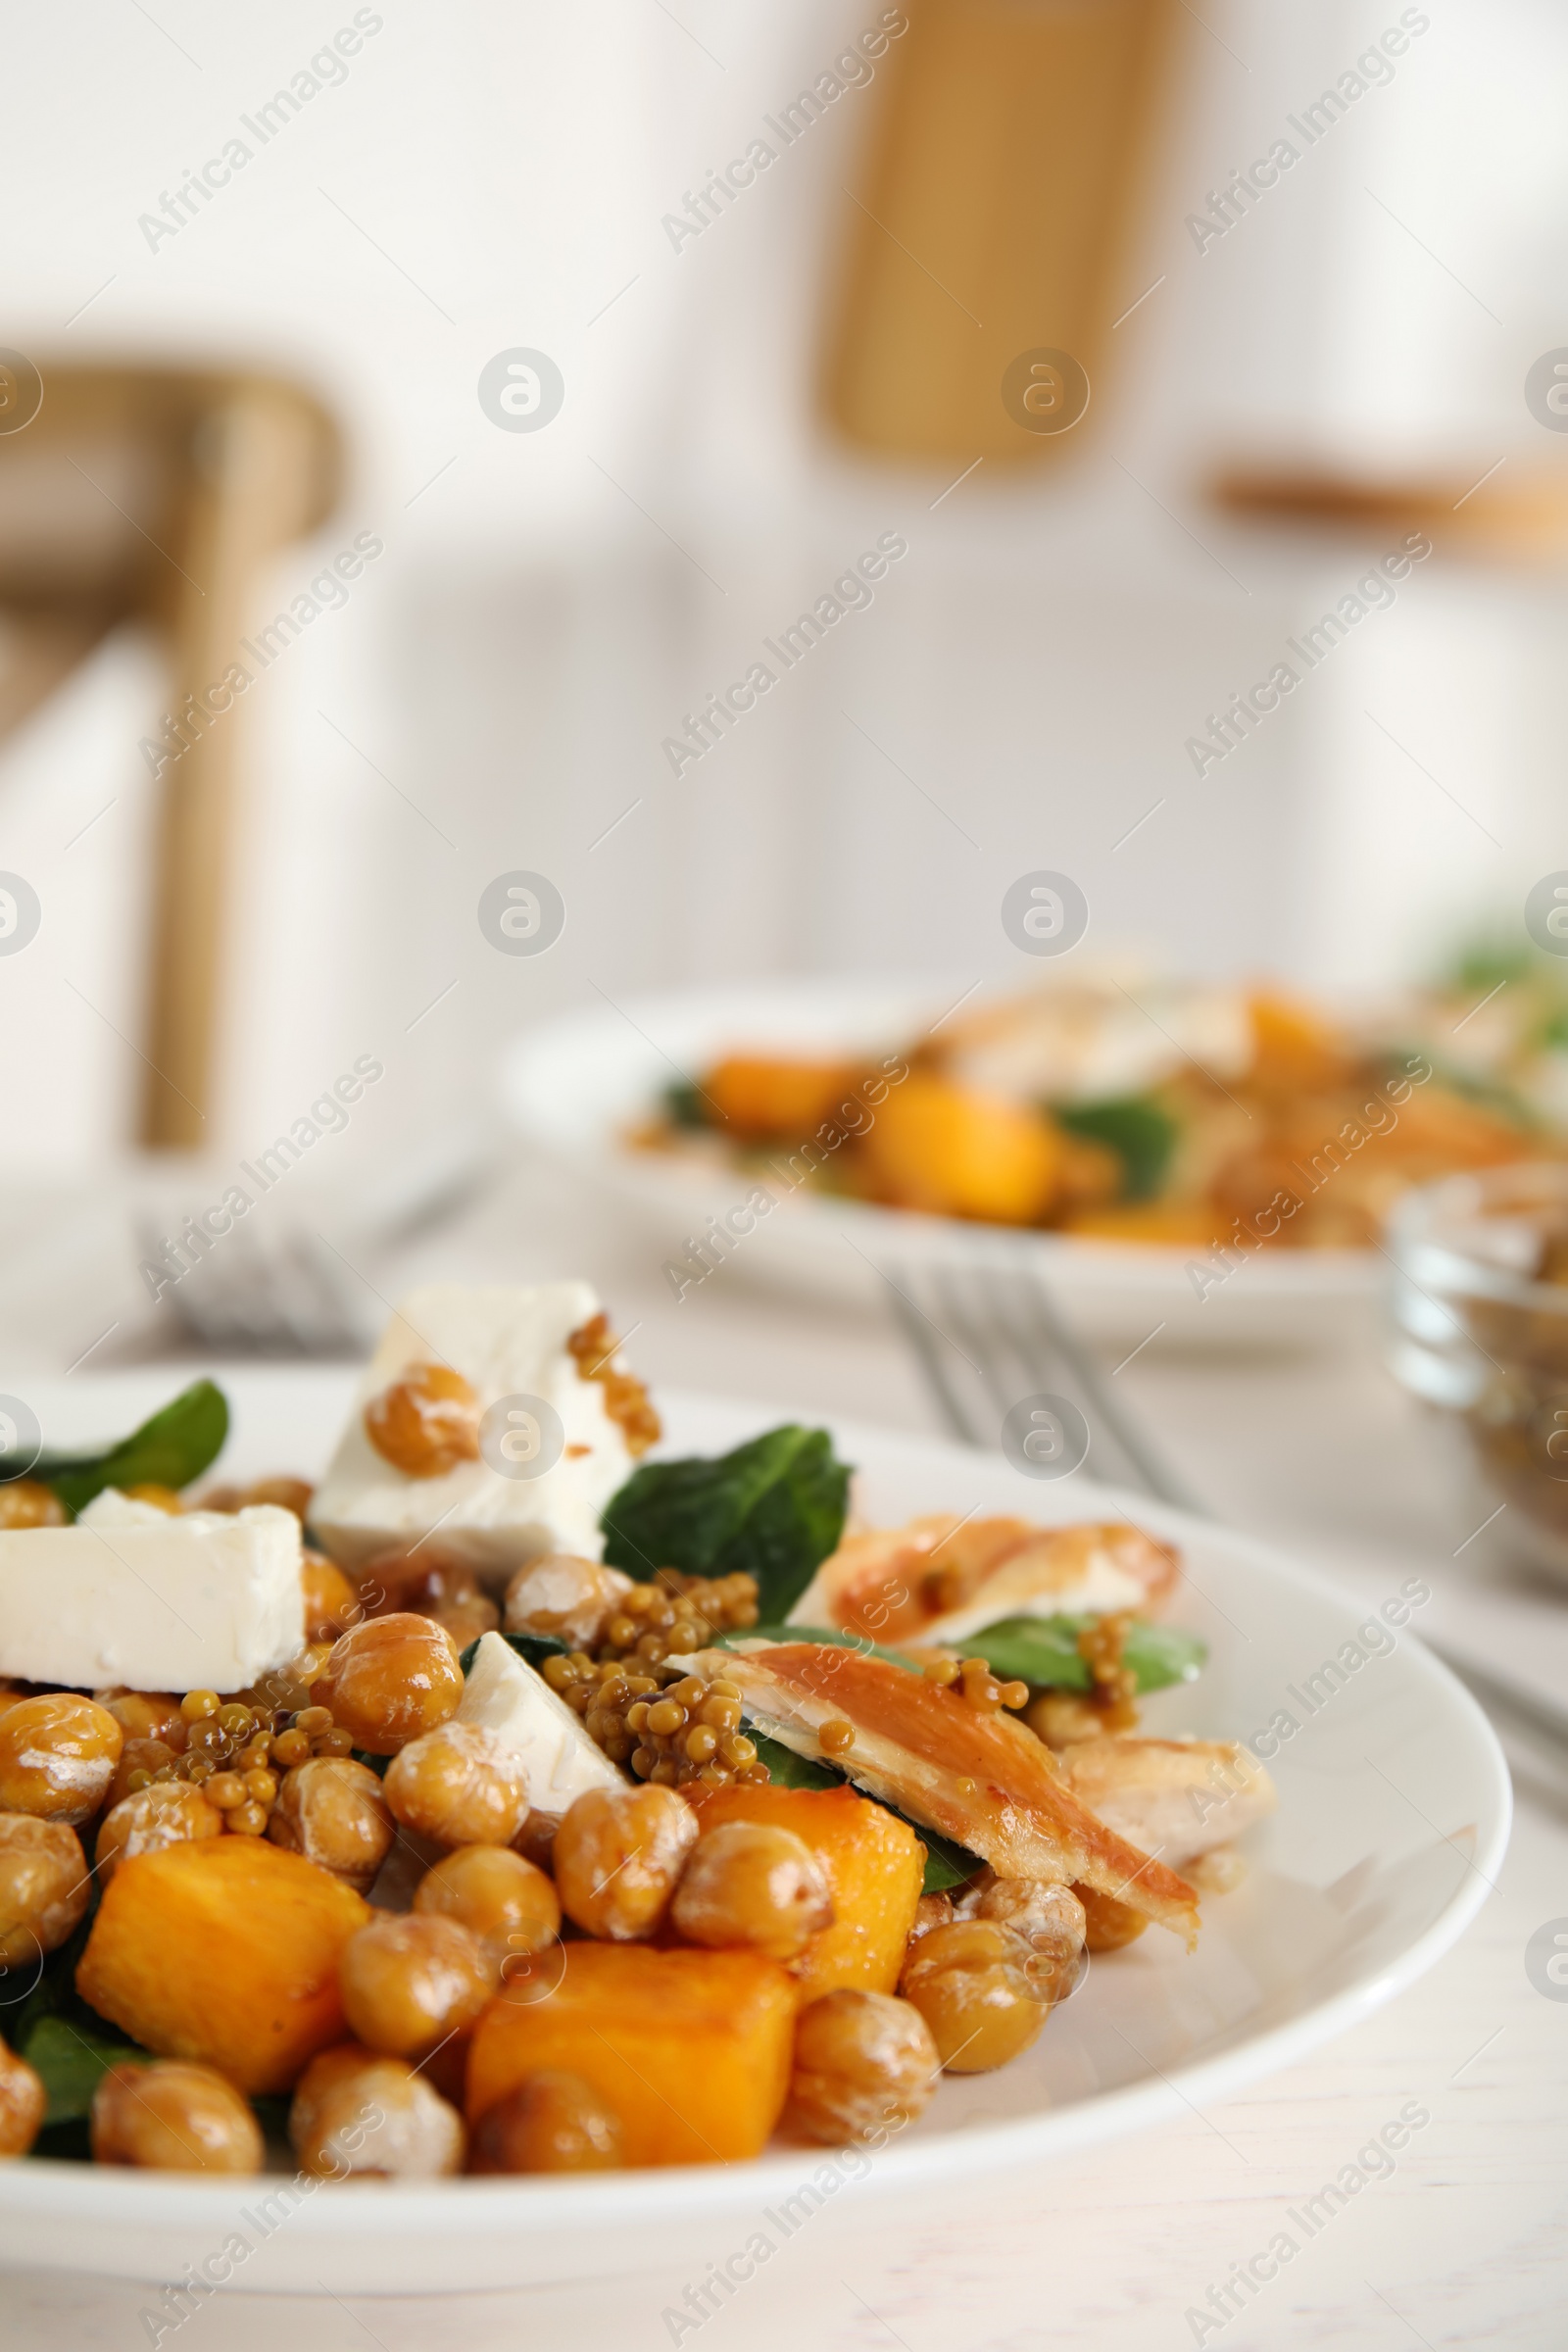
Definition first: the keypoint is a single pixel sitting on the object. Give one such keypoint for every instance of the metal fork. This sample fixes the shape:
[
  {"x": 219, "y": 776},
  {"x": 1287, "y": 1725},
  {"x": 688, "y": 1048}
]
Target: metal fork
[
  {"x": 286, "y": 1290},
  {"x": 266, "y": 1293},
  {"x": 1002, "y": 1321}
]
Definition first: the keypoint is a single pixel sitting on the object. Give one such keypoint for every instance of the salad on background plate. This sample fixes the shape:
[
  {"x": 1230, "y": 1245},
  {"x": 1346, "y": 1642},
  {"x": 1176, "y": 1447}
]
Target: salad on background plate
[{"x": 1114, "y": 1109}]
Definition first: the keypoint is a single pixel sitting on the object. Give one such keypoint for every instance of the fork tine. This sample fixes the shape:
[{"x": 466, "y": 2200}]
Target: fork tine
[
  {"x": 1030, "y": 1295},
  {"x": 965, "y": 1306},
  {"x": 925, "y": 1337},
  {"x": 998, "y": 1316}
]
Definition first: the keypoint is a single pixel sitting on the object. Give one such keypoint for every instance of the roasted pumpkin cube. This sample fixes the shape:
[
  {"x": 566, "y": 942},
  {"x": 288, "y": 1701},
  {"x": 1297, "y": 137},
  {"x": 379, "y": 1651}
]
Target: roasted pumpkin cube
[
  {"x": 1177, "y": 1224},
  {"x": 757, "y": 1095},
  {"x": 1293, "y": 1044},
  {"x": 225, "y": 1951},
  {"x": 956, "y": 1152},
  {"x": 690, "y": 2050},
  {"x": 874, "y": 1865}
]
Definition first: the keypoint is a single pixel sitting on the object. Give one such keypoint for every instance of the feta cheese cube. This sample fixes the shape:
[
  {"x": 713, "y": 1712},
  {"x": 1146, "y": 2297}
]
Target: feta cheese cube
[
  {"x": 506, "y": 1342},
  {"x": 539, "y": 1731},
  {"x": 129, "y": 1596}
]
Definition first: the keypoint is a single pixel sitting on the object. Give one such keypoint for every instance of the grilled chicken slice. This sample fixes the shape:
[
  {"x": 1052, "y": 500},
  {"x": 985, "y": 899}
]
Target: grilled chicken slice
[
  {"x": 1177, "y": 1798},
  {"x": 942, "y": 1579},
  {"x": 974, "y": 1775}
]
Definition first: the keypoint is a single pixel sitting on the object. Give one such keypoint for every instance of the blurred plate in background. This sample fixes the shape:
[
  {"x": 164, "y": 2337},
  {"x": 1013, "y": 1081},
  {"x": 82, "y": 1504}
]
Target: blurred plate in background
[{"x": 580, "y": 1086}]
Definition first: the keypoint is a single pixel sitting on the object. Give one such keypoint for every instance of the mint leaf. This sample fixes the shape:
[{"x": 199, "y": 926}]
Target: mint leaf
[
  {"x": 1044, "y": 1651},
  {"x": 172, "y": 1447},
  {"x": 774, "y": 1508}
]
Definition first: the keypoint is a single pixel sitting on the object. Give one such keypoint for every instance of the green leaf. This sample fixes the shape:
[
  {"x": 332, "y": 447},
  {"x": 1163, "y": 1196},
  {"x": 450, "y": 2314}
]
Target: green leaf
[
  {"x": 1136, "y": 1128},
  {"x": 946, "y": 1864},
  {"x": 686, "y": 1106},
  {"x": 71, "y": 2057},
  {"x": 1044, "y": 1651},
  {"x": 774, "y": 1508},
  {"x": 1487, "y": 963},
  {"x": 66, "y": 2044},
  {"x": 833, "y": 1635},
  {"x": 271, "y": 2112},
  {"x": 170, "y": 1449},
  {"x": 787, "y": 1770}
]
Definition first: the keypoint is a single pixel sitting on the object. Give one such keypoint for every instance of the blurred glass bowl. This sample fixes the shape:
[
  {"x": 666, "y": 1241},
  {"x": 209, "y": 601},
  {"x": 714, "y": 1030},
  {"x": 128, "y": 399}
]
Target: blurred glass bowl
[{"x": 1480, "y": 1311}]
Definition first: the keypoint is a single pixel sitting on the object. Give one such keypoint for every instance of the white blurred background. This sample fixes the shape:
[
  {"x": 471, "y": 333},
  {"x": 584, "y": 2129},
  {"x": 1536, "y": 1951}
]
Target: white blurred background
[{"x": 495, "y": 692}]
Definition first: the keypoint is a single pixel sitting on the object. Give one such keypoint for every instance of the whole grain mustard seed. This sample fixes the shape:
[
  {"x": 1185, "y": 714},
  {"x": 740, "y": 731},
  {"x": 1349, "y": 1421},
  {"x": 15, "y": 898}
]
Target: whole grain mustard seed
[
  {"x": 637, "y": 1702},
  {"x": 240, "y": 1750}
]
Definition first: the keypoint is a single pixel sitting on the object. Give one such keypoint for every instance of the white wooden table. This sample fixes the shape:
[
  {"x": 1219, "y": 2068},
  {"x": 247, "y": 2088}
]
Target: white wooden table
[{"x": 1465, "y": 2243}]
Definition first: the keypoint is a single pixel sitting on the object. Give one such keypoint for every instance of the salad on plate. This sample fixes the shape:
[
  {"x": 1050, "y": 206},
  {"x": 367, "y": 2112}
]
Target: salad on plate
[{"x": 518, "y": 1800}]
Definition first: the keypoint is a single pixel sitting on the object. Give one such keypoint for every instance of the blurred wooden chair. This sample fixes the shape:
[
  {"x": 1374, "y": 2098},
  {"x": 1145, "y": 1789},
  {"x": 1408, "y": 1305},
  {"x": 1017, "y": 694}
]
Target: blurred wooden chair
[
  {"x": 157, "y": 494},
  {"x": 1005, "y": 167}
]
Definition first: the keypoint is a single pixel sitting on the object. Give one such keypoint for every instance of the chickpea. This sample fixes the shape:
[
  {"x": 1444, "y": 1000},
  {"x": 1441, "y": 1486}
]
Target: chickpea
[
  {"x": 750, "y": 1882},
  {"x": 332, "y": 1810},
  {"x": 536, "y": 1840},
  {"x": 434, "y": 1580},
  {"x": 971, "y": 1983},
  {"x": 23, "y": 2100},
  {"x": 29, "y": 1503},
  {"x": 163, "y": 1499},
  {"x": 168, "y": 1813},
  {"x": 1061, "y": 1718},
  {"x": 505, "y": 1901},
  {"x": 618, "y": 1853},
  {"x": 44, "y": 1885},
  {"x": 389, "y": 1680},
  {"x": 931, "y": 1911},
  {"x": 331, "y": 1605},
  {"x": 551, "y": 2123},
  {"x": 564, "y": 1597},
  {"x": 425, "y": 1423},
  {"x": 57, "y": 1756},
  {"x": 411, "y": 1980},
  {"x": 466, "y": 1620},
  {"x": 141, "y": 1759},
  {"x": 1049, "y": 1919},
  {"x": 174, "y": 2116},
  {"x": 147, "y": 1715},
  {"x": 1108, "y": 1924},
  {"x": 459, "y": 1786},
  {"x": 284, "y": 1493},
  {"x": 864, "y": 2061},
  {"x": 355, "y": 2112}
]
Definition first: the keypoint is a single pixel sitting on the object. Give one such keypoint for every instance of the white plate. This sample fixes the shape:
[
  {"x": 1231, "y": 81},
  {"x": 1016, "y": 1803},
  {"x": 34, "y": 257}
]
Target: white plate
[
  {"x": 1393, "y": 1819},
  {"x": 576, "y": 1084}
]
